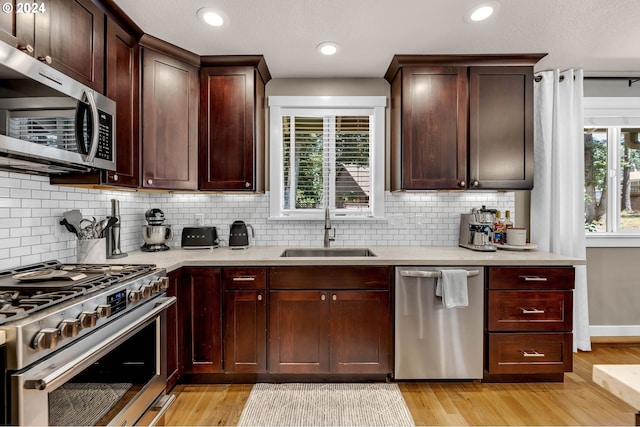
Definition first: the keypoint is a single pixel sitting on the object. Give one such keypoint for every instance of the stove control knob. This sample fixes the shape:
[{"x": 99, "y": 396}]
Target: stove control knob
[
  {"x": 88, "y": 319},
  {"x": 46, "y": 339},
  {"x": 164, "y": 282},
  {"x": 104, "y": 310},
  {"x": 146, "y": 290},
  {"x": 69, "y": 328},
  {"x": 135, "y": 296},
  {"x": 156, "y": 286}
]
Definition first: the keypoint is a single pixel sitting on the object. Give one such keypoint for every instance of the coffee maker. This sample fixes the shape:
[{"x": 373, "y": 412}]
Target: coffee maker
[
  {"x": 476, "y": 230},
  {"x": 155, "y": 234}
]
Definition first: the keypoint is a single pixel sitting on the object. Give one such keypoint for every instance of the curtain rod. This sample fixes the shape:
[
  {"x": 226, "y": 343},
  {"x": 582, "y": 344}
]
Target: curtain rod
[{"x": 631, "y": 80}]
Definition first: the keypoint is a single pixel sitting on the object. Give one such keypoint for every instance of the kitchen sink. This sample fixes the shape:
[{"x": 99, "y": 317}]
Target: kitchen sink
[{"x": 327, "y": 252}]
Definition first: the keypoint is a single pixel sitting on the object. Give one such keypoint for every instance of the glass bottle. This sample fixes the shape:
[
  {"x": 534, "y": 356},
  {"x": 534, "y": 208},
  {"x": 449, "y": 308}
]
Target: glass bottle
[
  {"x": 507, "y": 224},
  {"x": 498, "y": 229}
]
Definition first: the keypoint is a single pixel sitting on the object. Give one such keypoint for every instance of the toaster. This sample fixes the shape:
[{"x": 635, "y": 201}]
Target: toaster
[{"x": 200, "y": 238}]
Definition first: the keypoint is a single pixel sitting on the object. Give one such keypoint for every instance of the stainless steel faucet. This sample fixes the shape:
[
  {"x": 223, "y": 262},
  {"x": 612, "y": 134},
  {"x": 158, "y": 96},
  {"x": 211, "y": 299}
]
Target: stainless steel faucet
[{"x": 327, "y": 226}]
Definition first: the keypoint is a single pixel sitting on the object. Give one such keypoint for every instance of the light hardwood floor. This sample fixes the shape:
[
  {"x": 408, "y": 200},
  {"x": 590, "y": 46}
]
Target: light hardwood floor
[{"x": 577, "y": 401}]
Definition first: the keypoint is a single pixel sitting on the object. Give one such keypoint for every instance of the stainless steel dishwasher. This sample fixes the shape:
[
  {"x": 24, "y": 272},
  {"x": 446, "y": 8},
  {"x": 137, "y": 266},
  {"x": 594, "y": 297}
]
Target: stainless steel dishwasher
[{"x": 432, "y": 341}]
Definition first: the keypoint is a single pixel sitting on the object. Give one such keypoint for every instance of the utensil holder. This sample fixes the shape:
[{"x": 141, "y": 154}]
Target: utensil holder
[{"x": 92, "y": 251}]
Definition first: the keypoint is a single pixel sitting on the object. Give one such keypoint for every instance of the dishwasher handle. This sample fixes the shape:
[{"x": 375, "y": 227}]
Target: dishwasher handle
[{"x": 432, "y": 273}]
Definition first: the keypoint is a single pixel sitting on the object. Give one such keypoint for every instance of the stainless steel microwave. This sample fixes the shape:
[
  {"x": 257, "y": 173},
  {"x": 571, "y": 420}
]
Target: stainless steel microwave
[{"x": 50, "y": 123}]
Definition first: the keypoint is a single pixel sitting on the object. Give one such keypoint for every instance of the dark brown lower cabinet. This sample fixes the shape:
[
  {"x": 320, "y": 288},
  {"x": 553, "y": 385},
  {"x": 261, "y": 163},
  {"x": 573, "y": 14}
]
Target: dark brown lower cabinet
[
  {"x": 200, "y": 308},
  {"x": 339, "y": 332},
  {"x": 174, "y": 333},
  {"x": 298, "y": 332},
  {"x": 245, "y": 320},
  {"x": 529, "y": 323}
]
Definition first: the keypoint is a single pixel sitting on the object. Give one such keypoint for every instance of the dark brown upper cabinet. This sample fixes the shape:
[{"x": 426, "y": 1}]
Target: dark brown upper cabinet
[
  {"x": 18, "y": 29},
  {"x": 462, "y": 122},
  {"x": 70, "y": 37},
  {"x": 232, "y": 123},
  {"x": 123, "y": 75},
  {"x": 169, "y": 117}
]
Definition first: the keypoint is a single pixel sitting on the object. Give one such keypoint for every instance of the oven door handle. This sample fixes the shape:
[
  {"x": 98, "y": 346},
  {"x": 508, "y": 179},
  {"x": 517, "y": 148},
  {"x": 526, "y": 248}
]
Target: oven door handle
[{"x": 69, "y": 370}]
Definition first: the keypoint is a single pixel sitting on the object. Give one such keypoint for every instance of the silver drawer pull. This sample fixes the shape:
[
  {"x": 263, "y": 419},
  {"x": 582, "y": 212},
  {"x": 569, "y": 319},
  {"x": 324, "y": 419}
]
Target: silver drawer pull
[
  {"x": 531, "y": 310},
  {"x": 533, "y": 278},
  {"x": 432, "y": 273},
  {"x": 244, "y": 279},
  {"x": 526, "y": 353}
]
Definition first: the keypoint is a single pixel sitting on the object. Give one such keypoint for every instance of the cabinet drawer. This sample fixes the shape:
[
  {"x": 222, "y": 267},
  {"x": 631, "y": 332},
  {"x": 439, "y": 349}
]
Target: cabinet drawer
[
  {"x": 530, "y": 311},
  {"x": 333, "y": 277},
  {"x": 531, "y": 278},
  {"x": 529, "y": 353},
  {"x": 244, "y": 278}
]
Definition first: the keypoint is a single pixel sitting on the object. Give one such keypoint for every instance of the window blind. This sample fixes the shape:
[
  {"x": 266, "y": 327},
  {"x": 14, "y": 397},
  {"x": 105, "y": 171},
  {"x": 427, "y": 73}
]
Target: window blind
[{"x": 326, "y": 162}]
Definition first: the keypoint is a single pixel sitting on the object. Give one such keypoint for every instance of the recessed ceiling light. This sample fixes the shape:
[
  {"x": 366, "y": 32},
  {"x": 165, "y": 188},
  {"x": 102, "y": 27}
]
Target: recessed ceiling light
[
  {"x": 482, "y": 11},
  {"x": 328, "y": 48},
  {"x": 212, "y": 17}
]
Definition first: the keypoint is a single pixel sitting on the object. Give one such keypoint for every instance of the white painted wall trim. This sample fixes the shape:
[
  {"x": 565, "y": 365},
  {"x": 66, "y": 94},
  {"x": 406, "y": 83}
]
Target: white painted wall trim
[{"x": 614, "y": 330}]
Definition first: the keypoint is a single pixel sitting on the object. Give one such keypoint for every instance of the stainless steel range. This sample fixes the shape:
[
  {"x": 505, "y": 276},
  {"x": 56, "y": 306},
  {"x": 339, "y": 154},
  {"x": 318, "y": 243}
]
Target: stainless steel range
[{"x": 86, "y": 344}]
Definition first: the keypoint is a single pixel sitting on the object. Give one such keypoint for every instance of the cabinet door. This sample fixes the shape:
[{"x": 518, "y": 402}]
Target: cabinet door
[
  {"x": 434, "y": 127},
  {"x": 174, "y": 333},
  {"x": 71, "y": 34},
  {"x": 360, "y": 332},
  {"x": 227, "y": 123},
  {"x": 170, "y": 122},
  {"x": 18, "y": 29},
  {"x": 122, "y": 86},
  {"x": 245, "y": 334},
  {"x": 201, "y": 318},
  {"x": 298, "y": 332},
  {"x": 501, "y": 127}
]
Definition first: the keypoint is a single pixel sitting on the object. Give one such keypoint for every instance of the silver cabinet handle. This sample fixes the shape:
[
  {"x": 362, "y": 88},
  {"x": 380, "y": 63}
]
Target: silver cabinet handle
[
  {"x": 259, "y": 297},
  {"x": 475, "y": 183},
  {"x": 334, "y": 297},
  {"x": 244, "y": 279},
  {"x": 531, "y": 310},
  {"x": 247, "y": 184},
  {"x": 462, "y": 183},
  {"x": 533, "y": 278},
  {"x": 432, "y": 274},
  {"x": 526, "y": 353},
  {"x": 149, "y": 181},
  {"x": 323, "y": 297}
]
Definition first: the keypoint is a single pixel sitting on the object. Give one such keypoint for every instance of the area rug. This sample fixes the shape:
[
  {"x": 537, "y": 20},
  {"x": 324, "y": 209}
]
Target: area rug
[{"x": 330, "y": 404}]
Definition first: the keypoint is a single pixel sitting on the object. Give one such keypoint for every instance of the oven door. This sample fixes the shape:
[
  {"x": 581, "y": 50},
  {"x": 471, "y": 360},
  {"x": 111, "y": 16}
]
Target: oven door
[{"x": 111, "y": 377}]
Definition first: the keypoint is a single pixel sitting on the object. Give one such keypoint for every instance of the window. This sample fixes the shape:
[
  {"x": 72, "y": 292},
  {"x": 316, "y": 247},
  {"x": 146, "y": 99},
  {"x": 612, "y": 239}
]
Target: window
[
  {"x": 327, "y": 152},
  {"x": 612, "y": 170}
]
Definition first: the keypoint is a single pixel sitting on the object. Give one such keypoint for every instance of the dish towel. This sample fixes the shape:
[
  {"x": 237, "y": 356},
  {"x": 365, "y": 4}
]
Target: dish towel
[{"x": 452, "y": 287}]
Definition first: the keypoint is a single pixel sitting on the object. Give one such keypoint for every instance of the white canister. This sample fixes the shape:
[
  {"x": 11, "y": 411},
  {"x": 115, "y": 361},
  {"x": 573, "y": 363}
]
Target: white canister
[
  {"x": 516, "y": 236},
  {"x": 92, "y": 251}
]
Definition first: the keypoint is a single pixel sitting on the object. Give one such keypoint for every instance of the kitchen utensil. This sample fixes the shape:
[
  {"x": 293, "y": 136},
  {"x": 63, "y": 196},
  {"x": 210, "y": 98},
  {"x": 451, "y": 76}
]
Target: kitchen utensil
[
  {"x": 88, "y": 228},
  {"x": 239, "y": 235},
  {"x": 48, "y": 275},
  {"x": 69, "y": 227},
  {"x": 73, "y": 218}
]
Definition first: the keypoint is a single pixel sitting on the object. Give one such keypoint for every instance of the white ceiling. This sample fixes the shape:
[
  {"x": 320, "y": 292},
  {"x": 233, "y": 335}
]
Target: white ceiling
[{"x": 600, "y": 36}]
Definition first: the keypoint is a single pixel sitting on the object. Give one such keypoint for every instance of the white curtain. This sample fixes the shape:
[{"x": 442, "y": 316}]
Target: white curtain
[{"x": 557, "y": 199}]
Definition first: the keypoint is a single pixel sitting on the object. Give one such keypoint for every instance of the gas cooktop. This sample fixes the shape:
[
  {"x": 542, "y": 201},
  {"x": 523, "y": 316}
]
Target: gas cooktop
[{"x": 26, "y": 290}]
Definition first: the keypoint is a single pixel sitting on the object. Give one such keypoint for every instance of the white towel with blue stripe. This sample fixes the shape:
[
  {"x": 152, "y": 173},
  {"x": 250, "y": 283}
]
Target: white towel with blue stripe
[{"x": 451, "y": 286}]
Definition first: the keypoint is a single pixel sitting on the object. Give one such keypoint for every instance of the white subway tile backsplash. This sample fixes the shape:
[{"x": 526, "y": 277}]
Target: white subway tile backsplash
[{"x": 31, "y": 208}]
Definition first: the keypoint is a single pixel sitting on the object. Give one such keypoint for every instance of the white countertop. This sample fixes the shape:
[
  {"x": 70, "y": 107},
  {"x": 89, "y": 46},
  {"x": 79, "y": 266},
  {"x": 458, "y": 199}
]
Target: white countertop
[
  {"x": 386, "y": 255},
  {"x": 623, "y": 381}
]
